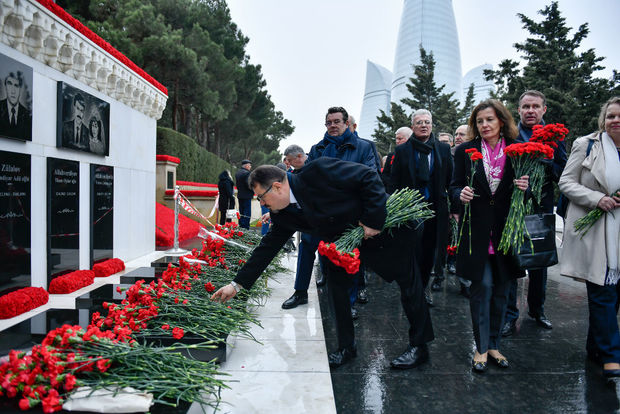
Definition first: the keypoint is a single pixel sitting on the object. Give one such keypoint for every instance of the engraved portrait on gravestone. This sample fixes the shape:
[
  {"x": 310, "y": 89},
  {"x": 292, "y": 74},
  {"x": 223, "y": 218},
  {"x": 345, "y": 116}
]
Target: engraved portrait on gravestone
[
  {"x": 83, "y": 121},
  {"x": 15, "y": 99}
]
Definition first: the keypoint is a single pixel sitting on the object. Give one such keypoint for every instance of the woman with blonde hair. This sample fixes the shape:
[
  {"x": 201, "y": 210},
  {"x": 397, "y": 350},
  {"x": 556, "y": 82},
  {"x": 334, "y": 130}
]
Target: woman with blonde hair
[{"x": 591, "y": 176}]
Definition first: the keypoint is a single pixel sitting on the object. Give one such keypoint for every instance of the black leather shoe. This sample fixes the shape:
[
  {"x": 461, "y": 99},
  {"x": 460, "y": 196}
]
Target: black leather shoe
[
  {"x": 542, "y": 320},
  {"x": 296, "y": 299},
  {"x": 354, "y": 314},
  {"x": 465, "y": 291},
  {"x": 411, "y": 358},
  {"x": 362, "y": 296},
  {"x": 478, "y": 366},
  {"x": 342, "y": 356},
  {"x": 500, "y": 362},
  {"x": 436, "y": 285},
  {"x": 509, "y": 328},
  {"x": 320, "y": 278}
]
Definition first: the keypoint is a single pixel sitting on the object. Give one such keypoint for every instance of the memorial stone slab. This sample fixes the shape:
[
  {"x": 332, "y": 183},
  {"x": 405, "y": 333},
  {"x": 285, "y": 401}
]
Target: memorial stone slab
[
  {"x": 14, "y": 220},
  {"x": 101, "y": 212},
  {"x": 63, "y": 214}
]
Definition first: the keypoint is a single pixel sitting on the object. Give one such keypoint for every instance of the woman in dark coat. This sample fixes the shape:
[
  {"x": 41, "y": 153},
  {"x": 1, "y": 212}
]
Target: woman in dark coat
[
  {"x": 492, "y": 129},
  {"x": 227, "y": 192}
]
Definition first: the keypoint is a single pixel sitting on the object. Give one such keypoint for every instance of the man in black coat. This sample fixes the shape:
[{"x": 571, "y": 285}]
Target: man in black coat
[
  {"x": 425, "y": 164},
  {"x": 15, "y": 118},
  {"x": 324, "y": 199},
  {"x": 74, "y": 131},
  {"x": 244, "y": 193},
  {"x": 532, "y": 108}
]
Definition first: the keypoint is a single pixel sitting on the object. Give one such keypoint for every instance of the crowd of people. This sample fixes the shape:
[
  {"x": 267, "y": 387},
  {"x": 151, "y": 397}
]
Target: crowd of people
[{"x": 342, "y": 182}]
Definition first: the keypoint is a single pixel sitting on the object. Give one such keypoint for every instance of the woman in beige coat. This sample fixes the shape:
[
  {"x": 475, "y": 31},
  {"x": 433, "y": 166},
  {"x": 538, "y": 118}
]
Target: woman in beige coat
[{"x": 591, "y": 175}]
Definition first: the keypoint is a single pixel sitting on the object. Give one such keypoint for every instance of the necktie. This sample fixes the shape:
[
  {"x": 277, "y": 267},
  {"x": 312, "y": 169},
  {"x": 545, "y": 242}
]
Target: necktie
[
  {"x": 13, "y": 118},
  {"x": 77, "y": 135}
]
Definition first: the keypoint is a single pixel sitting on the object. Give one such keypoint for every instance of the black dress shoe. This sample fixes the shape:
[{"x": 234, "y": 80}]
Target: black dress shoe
[
  {"x": 342, "y": 356},
  {"x": 436, "y": 285},
  {"x": 296, "y": 299},
  {"x": 320, "y": 279},
  {"x": 500, "y": 362},
  {"x": 478, "y": 366},
  {"x": 411, "y": 358},
  {"x": 354, "y": 314},
  {"x": 509, "y": 328},
  {"x": 541, "y": 320},
  {"x": 362, "y": 296}
]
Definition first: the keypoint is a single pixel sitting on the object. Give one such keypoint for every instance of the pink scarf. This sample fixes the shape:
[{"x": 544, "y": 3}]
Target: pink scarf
[{"x": 493, "y": 160}]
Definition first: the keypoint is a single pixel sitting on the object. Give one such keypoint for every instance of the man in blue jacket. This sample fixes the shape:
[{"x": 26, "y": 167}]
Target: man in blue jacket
[
  {"x": 532, "y": 107},
  {"x": 338, "y": 142}
]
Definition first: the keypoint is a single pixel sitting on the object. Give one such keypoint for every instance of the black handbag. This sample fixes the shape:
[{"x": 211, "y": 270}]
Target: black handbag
[{"x": 540, "y": 235}]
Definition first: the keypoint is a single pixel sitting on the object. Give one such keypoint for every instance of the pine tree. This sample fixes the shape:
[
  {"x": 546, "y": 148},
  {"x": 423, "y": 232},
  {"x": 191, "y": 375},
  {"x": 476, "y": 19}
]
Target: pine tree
[
  {"x": 553, "y": 66},
  {"x": 385, "y": 133},
  {"x": 425, "y": 94}
]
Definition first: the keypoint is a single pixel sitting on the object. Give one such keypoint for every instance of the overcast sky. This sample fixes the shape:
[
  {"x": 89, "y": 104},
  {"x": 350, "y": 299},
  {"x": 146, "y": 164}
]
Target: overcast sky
[{"x": 313, "y": 53}]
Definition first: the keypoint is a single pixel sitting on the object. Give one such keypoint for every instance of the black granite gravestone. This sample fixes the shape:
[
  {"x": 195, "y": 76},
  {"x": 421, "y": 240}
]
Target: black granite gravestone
[
  {"x": 63, "y": 214},
  {"x": 101, "y": 212},
  {"x": 14, "y": 220}
]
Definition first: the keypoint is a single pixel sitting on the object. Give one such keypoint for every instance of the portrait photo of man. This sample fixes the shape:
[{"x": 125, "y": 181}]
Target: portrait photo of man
[{"x": 15, "y": 100}]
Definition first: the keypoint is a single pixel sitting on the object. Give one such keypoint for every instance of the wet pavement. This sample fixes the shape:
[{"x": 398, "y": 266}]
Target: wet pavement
[{"x": 549, "y": 371}]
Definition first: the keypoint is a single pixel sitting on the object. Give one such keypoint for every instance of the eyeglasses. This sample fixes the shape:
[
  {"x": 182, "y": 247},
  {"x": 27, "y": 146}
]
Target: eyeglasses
[
  {"x": 427, "y": 122},
  {"x": 260, "y": 197},
  {"x": 335, "y": 122}
]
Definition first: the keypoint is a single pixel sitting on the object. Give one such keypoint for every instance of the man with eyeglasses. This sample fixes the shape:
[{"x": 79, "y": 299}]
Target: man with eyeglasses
[
  {"x": 425, "y": 164},
  {"x": 356, "y": 196},
  {"x": 338, "y": 142}
]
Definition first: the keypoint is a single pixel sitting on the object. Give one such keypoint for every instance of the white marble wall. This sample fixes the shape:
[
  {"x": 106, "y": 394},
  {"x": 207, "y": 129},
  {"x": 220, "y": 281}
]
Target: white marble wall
[{"x": 56, "y": 52}]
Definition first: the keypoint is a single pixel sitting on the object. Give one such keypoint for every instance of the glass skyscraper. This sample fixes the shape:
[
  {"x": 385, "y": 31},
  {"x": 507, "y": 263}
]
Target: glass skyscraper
[
  {"x": 427, "y": 23},
  {"x": 430, "y": 24}
]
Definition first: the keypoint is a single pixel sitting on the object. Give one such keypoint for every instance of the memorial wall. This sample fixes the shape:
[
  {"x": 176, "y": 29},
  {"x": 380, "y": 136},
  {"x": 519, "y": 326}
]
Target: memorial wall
[{"x": 77, "y": 149}]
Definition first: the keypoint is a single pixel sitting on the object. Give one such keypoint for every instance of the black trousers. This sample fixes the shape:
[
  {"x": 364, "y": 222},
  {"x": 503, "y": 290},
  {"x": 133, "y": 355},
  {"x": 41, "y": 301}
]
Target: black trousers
[
  {"x": 407, "y": 277},
  {"x": 487, "y": 304},
  {"x": 426, "y": 251},
  {"x": 536, "y": 294}
]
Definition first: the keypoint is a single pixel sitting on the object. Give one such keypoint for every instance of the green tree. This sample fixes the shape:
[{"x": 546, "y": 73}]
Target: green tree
[
  {"x": 468, "y": 106},
  {"x": 385, "y": 133},
  {"x": 425, "y": 94},
  {"x": 194, "y": 48},
  {"x": 553, "y": 65}
]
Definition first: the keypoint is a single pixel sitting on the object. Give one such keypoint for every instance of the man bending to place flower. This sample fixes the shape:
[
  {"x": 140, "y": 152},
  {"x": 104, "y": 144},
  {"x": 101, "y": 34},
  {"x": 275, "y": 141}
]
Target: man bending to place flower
[{"x": 355, "y": 196}]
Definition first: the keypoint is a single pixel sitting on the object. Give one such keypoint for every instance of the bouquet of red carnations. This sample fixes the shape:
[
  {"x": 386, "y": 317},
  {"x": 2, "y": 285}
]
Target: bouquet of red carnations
[
  {"x": 548, "y": 135},
  {"x": 526, "y": 160},
  {"x": 403, "y": 207}
]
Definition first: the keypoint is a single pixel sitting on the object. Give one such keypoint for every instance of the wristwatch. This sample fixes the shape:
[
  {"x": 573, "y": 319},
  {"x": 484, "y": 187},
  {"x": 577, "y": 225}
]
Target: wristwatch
[{"x": 236, "y": 286}]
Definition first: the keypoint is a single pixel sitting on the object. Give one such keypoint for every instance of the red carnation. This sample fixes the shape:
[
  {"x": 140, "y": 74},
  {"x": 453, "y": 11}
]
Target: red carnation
[{"x": 177, "y": 333}]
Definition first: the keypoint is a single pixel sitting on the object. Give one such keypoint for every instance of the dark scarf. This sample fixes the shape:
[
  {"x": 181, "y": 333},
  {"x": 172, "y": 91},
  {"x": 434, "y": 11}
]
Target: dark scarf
[
  {"x": 336, "y": 145},
  {"x": 422, "y": 168},
  {"x": 525, "y": 133}
]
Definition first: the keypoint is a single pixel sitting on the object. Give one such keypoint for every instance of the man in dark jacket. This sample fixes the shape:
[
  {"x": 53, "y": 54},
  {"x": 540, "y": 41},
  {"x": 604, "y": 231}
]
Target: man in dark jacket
[
  {"x": 15, "y": 118},
  {"x": 325, "y": 198},
  {"x": 425, "y": 164},
  {"x": 338, "y": 142},
  {"x": 226, "y": 200},
  {"x": 244, "y": 194},
  {"x": 532, "y": 108}
]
